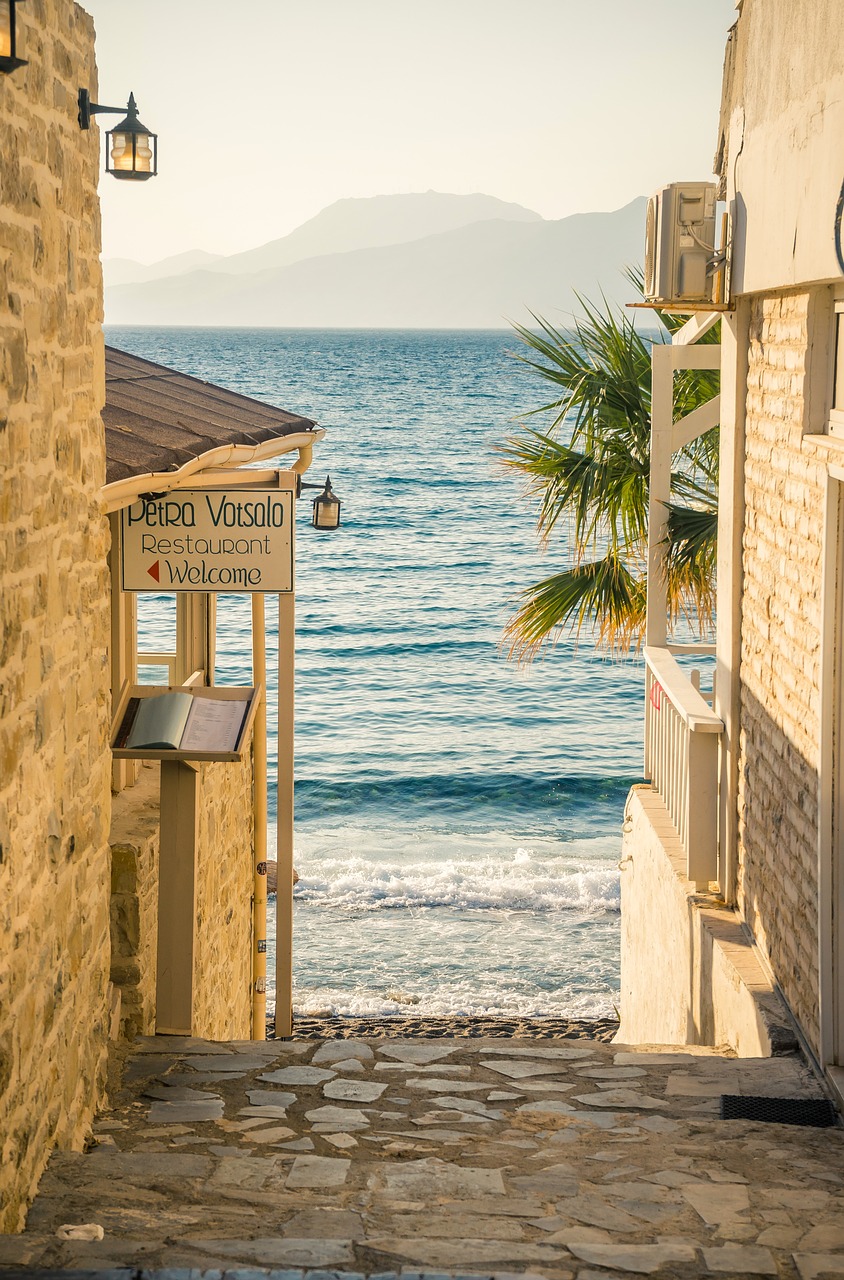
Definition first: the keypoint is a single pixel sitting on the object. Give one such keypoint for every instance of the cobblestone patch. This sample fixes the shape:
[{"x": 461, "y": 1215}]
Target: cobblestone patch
[{"x": 601, "y": 1161}]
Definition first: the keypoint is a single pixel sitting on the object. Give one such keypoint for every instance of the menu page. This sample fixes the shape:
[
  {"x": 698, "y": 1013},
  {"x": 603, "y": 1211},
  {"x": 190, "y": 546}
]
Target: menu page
[{"x": 214, "y": 724}]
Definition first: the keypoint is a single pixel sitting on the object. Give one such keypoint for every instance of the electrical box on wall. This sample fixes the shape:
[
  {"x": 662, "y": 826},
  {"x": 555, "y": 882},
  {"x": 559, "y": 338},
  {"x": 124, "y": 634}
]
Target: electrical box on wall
[{"x": 680, "y": 253}]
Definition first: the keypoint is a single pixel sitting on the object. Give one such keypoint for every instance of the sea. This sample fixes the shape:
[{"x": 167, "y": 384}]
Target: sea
[{"x": 458, "y": 816}]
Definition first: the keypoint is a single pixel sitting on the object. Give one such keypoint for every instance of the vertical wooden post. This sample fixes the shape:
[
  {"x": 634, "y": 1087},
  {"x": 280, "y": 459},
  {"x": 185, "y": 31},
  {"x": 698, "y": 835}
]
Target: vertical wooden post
[
  {"x": 177, "y": 898},
  {"x": 259, "y": 784},
  {"x": 124, "y": 649},
  {"x": 284, "y": 893},
  {"x": 662, "y": 413}
]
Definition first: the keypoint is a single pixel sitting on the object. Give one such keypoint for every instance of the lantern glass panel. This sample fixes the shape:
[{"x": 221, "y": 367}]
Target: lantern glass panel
[
  {"x": 5, "y": 29},
  {"x": 121, "y": 151},
  {"x": 326, "y": 513},
  {"x": 143, "y": 153}
]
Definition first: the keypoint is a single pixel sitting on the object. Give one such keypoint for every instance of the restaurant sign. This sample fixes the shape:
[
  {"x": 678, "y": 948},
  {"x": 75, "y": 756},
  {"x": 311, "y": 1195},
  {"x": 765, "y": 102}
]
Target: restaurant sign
[{"x": 209, "y": 540}]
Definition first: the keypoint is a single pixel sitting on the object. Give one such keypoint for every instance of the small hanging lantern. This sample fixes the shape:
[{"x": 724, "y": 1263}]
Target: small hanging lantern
[
  {"x": 326, "y": 508},
  {"x": 131, "y": 148},
  {"x": 9, "y": 60}
]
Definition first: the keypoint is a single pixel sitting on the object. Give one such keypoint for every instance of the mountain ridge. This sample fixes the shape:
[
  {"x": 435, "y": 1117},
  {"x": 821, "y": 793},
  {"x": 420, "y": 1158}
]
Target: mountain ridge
[{"x": 483, "y": 274}]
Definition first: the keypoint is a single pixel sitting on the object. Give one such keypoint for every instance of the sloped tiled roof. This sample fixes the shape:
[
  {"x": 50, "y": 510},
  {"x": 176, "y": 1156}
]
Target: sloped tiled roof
[{"x": 157, "y": 419}]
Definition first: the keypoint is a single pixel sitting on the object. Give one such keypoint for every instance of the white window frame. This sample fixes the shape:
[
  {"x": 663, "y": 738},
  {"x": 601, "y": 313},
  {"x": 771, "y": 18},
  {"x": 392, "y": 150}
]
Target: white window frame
[{"x": 835, "y": 420}]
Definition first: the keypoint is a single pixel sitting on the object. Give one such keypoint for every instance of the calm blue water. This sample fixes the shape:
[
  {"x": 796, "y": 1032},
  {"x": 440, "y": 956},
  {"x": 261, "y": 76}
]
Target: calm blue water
[{"x": 457, "y": 818}]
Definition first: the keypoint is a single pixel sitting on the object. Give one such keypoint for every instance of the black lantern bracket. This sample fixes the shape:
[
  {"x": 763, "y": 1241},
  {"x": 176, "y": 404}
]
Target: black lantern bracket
[
  {"x": 10, "y": 61},
  {"x": 326, "y": 513},
  {"x": 130, "y": 128}
]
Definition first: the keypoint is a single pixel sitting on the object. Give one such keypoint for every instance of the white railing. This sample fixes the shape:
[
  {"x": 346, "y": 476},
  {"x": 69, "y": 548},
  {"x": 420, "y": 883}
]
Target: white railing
[{"x": 681, "y": 758}]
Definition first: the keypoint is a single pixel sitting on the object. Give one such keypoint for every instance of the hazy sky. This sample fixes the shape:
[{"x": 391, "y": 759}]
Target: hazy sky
[{"x": 269, "y": 110}]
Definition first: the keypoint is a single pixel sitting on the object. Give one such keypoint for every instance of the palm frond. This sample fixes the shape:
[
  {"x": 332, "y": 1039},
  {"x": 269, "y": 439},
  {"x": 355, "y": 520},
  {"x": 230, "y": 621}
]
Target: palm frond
[{"x": 604, "y": 591}]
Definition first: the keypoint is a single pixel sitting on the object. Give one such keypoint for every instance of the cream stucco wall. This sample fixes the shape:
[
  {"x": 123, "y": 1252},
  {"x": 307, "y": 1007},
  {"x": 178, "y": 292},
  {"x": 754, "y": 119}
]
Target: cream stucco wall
[
  {"x": 783, "y": 117},
  {"x": 54, "y": 613}
]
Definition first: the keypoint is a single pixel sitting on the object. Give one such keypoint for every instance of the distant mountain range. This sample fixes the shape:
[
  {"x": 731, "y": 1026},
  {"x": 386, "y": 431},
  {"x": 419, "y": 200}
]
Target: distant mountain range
[{"x": 430, "y": 260}]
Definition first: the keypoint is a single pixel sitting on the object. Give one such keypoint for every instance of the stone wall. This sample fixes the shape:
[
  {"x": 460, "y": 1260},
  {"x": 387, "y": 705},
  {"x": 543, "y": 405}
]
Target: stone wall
[
  {"x": 780, "y": 653},
  {"x": 54, "y": 611},
  {"x": 223, "y": 956}
]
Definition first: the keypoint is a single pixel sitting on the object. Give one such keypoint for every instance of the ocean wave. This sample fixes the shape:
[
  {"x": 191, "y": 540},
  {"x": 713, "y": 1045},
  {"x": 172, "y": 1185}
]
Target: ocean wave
[{"x": 360, "y": 884}]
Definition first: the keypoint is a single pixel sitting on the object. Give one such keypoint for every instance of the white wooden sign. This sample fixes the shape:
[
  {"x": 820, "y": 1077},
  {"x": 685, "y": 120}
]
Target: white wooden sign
[{"x": 209, "y": 540}]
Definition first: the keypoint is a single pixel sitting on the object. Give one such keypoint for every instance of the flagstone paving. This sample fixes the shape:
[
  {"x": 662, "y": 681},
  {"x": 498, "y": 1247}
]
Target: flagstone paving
[{"x": 473, "y": 1157}]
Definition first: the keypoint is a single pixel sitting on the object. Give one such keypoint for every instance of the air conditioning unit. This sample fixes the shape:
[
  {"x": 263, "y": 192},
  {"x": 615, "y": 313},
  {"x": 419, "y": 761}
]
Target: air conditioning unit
[{"x": 680, "y": 243}]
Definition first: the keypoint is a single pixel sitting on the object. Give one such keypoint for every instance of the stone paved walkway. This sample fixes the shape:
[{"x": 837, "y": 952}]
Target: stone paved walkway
[{"x": 554, "y": 1158}]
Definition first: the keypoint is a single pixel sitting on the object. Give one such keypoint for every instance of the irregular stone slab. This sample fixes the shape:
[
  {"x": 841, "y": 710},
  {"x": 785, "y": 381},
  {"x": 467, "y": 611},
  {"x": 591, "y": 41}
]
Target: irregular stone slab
[
  {"x": 432, "y": 1085},
  {"x": 741, "y": 1259},
  {"x": 275, "y": 1252},
  {"x": 453, "y": 1226},
  {"x": 718, "y": 1202},
  {"x": 501, "y": 1095},
  {"x": 238, "y": 1063},
  {"x": 297, "y": 1075},
  {"x": 620, "y": 1098},
  {"x": 339, "y": 1117},
  {"x": 350, "y": 1064},
  {"x": 649, "y": 1192},
  {"x": 611, "y": 1073},
  {"x": 180, "y": 1112},
  {"x": 343, "y": 1141},
  {"x": 471, "y": 1105},
  {"x": 415, "y": 1051},
  {"x": 353, "y": 1090},
  {"x": 264, "y": 1113},
  {"x": 450, "y": 1116},
  {"x": 556, "y": 1180},
  {"x": 276, "y": 1134},
  {"x": 657, "y": 1124},
  {"x": 829, "y": 1235},
  {"x": 339, "y": 1050},
  {"x": 247, "y": 1172},
  {"x": 168, "y": 1093},
  {"x": 325, "y": 1224},
  {"x": 472, "y": 1253},
  {"x": 317, "y": 1171},
  {"x": 301, "y": 1144},
  {"x": 814, "y": 1266},
  {"x": 180, "y": 1046},
  {"x": 597, "y": 1213},
  {"x": 522, "y": 1070},
  {"x": 137, "y": 1169},
  {"x": 551, "y": 1106},
  {"x": 546, "y": 1086},
  {"x": 437, "y": 1135},
  {"x": 644, "y": 1259},
  {"x": 453, "y": 1068},
  {"x": 562, "y": 1053},
  {"x": 270, "y": 1098},
  {"x": 169, "y": 1131},
  {"x": 421, "y": 1179}
]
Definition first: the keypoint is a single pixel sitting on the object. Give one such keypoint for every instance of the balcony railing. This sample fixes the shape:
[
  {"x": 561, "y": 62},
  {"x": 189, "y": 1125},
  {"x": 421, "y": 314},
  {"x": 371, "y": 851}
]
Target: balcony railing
[{"x": 681, "y": 758}]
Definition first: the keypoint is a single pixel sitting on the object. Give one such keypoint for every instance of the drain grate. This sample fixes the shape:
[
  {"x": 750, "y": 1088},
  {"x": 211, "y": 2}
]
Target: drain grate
[{"x": 817, "y": 1113}]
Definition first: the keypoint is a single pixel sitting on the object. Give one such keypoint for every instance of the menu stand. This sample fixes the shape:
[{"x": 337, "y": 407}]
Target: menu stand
[{"x": 178, "y": 839}]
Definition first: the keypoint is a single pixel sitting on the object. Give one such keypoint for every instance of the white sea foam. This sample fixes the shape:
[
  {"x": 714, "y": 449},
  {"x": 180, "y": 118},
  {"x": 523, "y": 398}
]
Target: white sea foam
[{"x": 489, "y": 884}]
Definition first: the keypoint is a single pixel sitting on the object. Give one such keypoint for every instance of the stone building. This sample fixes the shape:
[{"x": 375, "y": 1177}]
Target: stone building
[
  {"x": 81, "y": 436},
  {"x": 746, "y": 946}
]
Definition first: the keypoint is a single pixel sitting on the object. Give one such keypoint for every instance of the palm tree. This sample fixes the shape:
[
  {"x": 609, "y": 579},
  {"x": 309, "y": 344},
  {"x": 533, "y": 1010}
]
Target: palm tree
[{"x": 590, "y": 469}]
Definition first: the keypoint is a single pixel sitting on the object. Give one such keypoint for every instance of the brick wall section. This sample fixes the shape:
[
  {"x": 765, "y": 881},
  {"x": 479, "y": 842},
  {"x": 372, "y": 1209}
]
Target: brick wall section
[
  {"x": 223, "y": 957},
  {"x": 54, "y": 694},
  {"x": 780, "y": 656}
]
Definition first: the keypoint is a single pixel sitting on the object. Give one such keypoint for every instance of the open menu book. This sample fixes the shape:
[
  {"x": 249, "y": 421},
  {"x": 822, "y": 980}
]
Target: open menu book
[{"x": 181, "y": 722}]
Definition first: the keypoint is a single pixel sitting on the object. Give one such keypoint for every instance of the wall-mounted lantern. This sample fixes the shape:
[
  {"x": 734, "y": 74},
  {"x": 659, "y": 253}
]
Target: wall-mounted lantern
[
  {"x": 326, "y": 513},
  {"x": 131, "y": 148},
  {"x": 9, "y": 59}
]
